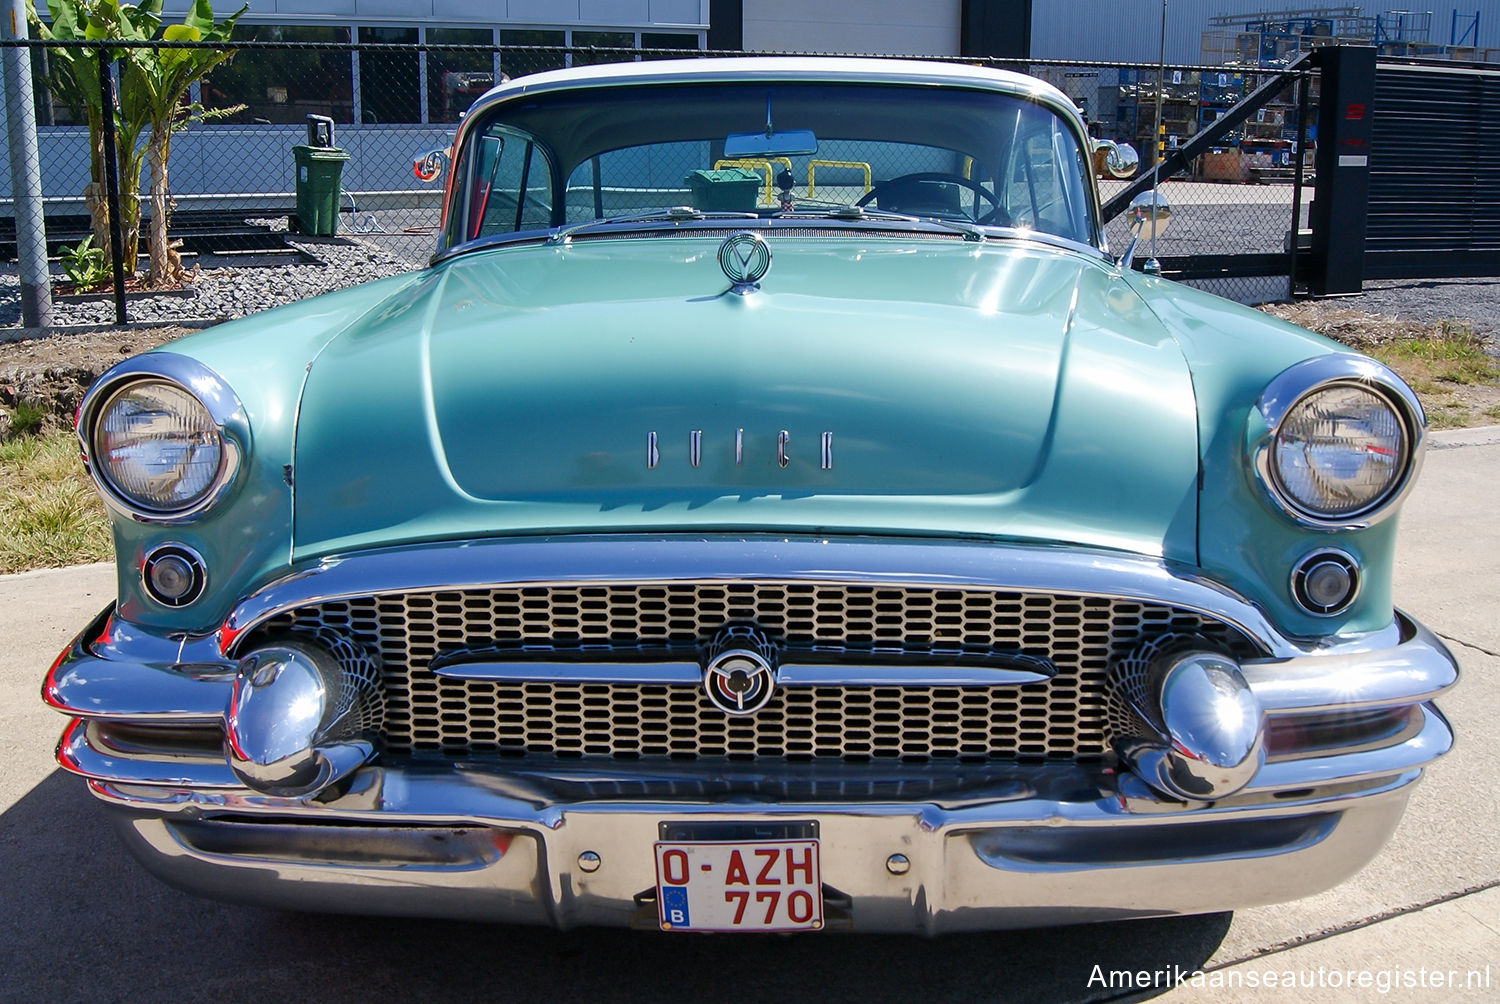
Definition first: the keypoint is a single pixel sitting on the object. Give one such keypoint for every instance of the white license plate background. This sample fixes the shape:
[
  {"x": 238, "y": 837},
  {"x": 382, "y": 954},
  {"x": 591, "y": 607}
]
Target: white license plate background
[{"x": 755, "y": 885}]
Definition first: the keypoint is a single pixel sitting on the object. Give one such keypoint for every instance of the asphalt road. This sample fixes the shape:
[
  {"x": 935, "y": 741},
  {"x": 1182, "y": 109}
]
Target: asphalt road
[{"x": 80, "y": 921}]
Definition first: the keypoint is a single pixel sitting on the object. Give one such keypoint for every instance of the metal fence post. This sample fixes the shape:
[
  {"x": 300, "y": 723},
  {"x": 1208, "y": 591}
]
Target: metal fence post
[
  {"x": 26, "y": 174},
  {"x": 112, "y": 182},
  {"x": 1299, "y": 151},
  {"x": 1340, "y": 210}
]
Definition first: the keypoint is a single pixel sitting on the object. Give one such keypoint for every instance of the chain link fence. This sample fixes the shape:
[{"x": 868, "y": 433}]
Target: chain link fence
[{"x": 378, "y": 98}]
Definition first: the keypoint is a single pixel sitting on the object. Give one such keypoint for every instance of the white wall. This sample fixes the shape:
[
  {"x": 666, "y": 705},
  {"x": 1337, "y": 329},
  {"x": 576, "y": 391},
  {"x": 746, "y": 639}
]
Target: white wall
[
  {"x": 646, "y": 14},
  {"x": 894, "y": 27}
]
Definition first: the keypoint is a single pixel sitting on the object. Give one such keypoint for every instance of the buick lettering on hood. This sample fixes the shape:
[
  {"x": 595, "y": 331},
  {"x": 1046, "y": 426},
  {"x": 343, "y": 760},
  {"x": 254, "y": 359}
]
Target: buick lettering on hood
[{"x": 774, "y": 508}]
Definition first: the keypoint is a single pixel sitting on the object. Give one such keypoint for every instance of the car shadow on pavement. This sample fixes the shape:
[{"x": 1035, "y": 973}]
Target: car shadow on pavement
[{"x": 81, "y": 920}]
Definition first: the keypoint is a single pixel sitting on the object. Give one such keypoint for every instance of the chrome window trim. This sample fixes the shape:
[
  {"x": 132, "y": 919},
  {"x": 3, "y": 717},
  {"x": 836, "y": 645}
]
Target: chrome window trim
[
  {"x": 790, "y": 70},
  {"x": 1290, "y": 387},
  {"x": 224, "y": 408},
  {"x": 918, "y": 229}
]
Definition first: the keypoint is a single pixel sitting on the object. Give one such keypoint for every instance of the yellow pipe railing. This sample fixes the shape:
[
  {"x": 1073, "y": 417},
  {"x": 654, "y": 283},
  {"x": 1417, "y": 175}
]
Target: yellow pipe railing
[
  {"x": 813, "y": 165},
  {"x": 758, "y": 164}
]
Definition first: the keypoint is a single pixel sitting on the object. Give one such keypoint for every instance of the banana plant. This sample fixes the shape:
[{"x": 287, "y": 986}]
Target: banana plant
[
  {"x": 73, "y": 78},
  {"x": 154, "y": 87}
]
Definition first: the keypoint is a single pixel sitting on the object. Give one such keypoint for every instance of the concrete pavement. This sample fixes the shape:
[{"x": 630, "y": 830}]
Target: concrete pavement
[{"x": 78, "y": 920}]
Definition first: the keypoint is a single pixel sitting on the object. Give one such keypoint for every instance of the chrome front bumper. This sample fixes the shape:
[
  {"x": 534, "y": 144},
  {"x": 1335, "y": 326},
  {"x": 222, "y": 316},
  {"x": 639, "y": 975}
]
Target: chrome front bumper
[
  {"x": 571, "y": 843},
  {"x": 1041, "y": 848}
]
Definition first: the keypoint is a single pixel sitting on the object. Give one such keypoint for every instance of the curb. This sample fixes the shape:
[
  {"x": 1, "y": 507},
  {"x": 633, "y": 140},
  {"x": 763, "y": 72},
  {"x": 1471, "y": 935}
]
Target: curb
[{"x": 1450, "y": 439}]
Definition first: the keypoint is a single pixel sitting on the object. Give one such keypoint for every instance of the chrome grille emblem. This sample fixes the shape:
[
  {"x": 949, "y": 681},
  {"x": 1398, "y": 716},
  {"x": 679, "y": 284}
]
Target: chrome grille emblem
[
  {"x": 739, "y": 675},
  {"x": 745, "y": 258}
]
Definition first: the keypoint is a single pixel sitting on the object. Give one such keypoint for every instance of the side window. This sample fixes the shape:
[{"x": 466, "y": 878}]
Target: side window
[
  {"x": 504, "y": 184},
  {"x": 1041, "y": 188}
]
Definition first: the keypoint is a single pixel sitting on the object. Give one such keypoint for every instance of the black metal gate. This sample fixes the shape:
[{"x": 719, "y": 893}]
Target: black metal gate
[{"x": 1434, "y": 171}]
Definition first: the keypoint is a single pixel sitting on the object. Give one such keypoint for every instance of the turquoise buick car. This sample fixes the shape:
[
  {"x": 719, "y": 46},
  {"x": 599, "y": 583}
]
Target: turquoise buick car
[{"x": 773, "y": 509}]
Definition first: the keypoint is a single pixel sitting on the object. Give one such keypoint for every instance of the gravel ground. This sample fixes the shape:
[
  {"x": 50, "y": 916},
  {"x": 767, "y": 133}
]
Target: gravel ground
[
  {"x": 224, "y": 288},
  {"x": 1473, "y": 301},
  {"x": 1207, "y": 218}
]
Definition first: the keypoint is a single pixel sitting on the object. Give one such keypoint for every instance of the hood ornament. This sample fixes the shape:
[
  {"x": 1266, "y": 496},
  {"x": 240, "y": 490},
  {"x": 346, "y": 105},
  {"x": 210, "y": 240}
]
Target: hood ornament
[{"x": 745, "y": 258}]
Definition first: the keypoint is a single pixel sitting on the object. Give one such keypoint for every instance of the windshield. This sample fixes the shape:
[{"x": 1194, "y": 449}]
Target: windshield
[{"x": 567, "y": 157}]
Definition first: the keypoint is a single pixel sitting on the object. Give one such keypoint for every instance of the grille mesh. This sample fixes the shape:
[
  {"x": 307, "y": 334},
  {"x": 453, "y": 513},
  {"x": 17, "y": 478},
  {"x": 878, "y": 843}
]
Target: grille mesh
[{"x": 1064, "y": 718}]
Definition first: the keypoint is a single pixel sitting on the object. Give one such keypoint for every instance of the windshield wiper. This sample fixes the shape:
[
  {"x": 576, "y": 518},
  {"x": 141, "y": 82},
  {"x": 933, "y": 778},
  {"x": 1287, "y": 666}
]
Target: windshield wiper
[
  {"x": 971, "y": 231},
  {"x": 661, "y": 214}
]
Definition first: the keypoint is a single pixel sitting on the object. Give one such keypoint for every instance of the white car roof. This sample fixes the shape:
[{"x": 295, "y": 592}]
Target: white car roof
[{"x": 827, "y": 68}]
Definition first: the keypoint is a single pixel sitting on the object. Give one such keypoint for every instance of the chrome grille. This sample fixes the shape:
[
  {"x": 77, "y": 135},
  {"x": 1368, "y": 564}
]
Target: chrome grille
[{"x": 1064, "y": 718}]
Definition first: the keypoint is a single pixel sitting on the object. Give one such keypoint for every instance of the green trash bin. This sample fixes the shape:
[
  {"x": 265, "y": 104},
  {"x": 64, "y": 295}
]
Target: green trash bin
[
  {"x": 320, "y": 172},
  {"x": 730, "y": 190}
]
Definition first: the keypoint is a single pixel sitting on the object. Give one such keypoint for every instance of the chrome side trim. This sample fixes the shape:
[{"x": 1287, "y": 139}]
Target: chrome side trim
[
  {"x": 695, "y": 447},
  {"x": 739, "y": 447},
  {"x": 593, "y": 671},
  {"x": 782, "y": 439},
  {"x": 653, "y": 454},
  {"x": 789, "y": 674},
  {"x": 1419, "y": 669},
  {"x": 223, "y": 407},
  {"x": 799, "y": 674},
  {"x": 827, "y": 458}
]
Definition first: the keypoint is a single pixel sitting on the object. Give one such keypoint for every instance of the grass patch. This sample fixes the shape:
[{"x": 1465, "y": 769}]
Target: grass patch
[
  {"x": 1446, "y": 363},
  {"x": 50, "y": 515},
  {"x": 1450, "y": 354},
  {"x": 1450, "y": 371},
  {"x": 27, "y": 418}
]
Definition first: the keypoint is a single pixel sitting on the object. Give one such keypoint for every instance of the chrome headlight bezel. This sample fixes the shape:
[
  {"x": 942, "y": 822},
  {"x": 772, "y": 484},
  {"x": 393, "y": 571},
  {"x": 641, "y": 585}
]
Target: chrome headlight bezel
[
  {"x": 1292, "y": 388},
  {"x": 197, "y": 381}
]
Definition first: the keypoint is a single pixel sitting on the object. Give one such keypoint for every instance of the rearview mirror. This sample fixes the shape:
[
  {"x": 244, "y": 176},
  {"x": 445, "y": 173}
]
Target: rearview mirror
[{"x": 791, "y": 143}]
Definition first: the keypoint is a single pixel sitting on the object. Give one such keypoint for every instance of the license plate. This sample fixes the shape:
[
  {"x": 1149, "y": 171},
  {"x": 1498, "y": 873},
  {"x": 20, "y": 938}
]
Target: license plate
[{"x": 757, "y": 885}]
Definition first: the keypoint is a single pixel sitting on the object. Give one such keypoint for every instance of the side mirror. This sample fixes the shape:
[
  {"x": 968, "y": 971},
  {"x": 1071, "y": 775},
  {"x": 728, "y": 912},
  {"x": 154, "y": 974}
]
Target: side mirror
[
  {"x": 429, "y": 165},
  {"x": 1115, "y": 160},
  {"x": 1149, "y": 215}
]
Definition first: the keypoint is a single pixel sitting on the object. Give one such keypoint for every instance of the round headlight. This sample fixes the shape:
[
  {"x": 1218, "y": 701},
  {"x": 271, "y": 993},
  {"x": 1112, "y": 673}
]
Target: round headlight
[
  {"x": 1340, "y": 451},
  {"x": 157, "y": 446}
]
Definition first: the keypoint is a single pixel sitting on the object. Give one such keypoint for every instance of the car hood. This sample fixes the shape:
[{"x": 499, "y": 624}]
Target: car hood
[{"x": 921, "y": 387}]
